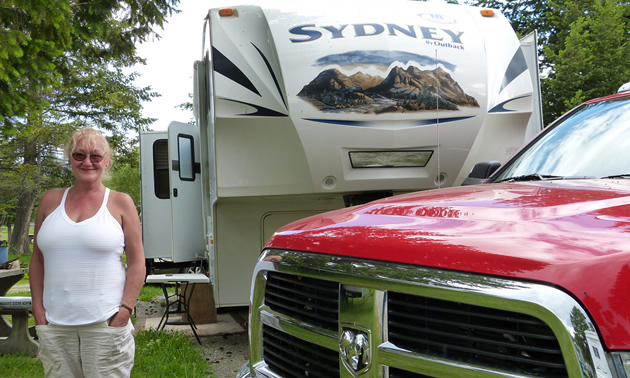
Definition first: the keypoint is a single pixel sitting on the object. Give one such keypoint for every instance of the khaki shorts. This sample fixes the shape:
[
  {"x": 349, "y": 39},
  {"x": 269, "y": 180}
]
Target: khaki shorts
[{"x": 95, "y": 350}]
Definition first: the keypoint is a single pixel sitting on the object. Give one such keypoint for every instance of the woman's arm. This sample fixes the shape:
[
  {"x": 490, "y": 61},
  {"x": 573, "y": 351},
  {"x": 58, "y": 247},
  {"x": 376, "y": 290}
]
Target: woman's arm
[
  {"x": 49, "y": 201},
  {"x": 134, "y": 250}
]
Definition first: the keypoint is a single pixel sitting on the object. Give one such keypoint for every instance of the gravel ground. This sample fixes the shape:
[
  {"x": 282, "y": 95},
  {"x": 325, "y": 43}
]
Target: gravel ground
[{"x": 225, "y": 353}]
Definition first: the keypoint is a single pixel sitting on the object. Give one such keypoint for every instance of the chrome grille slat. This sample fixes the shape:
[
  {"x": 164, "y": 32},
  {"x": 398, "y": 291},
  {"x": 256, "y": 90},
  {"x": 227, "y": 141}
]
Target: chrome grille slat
[
  {"x": 306, "y": 299},
  {"x": 399, "y": 373},
  {"x": 446, "y": 310},
  {"x": 468, "y": 338},
  {"x": 479, "y": 353},
  {"x": 271, "y": 302},
  {"x": 290, "y": 356},
  {"x": 473, "y": 334},
  {"x": 471, "y": 327}
]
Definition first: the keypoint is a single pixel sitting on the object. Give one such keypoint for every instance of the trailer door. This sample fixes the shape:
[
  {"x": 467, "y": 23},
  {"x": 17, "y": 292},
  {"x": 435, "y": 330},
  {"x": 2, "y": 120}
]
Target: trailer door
[
  {"x": 185, "y": 185},
  {"x": 156, "y": 197}
]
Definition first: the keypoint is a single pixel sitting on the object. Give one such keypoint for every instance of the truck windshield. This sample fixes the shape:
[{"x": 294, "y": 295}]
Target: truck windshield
[{"x": 592, "y": 142}]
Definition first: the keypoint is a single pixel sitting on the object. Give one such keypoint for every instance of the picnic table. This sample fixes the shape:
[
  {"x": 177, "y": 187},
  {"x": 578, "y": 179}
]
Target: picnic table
[
  {"x": 178, "y": 303},
  {"x": 16, "y": 337}
]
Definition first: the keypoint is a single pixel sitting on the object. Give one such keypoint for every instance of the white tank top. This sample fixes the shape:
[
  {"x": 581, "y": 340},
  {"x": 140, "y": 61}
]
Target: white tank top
[{"x": 84, "y": 277}]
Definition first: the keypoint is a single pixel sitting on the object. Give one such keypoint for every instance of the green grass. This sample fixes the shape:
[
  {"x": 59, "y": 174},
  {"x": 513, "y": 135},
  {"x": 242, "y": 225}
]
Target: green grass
[
  {"x": 168, "y": 354},
  {"x": 150, "y": 292},
  {"x": 158, "y": 354},
  {"x": 13, "y": 365}
]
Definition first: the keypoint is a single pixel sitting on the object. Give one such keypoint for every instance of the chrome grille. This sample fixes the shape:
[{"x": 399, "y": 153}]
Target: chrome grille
[
  {"x": 310, "y": 300},
  {"x": 289, "y": 356},
  {"x": 475, "y": 335},
  {"x": 420, "y": 322}
]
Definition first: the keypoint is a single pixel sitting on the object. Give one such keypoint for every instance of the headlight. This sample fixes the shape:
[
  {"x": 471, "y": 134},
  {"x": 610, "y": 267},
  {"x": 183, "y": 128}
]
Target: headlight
[{"x": 621, "y": 363}]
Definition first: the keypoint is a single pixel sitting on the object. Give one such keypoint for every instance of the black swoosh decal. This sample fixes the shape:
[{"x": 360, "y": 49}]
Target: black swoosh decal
[
  {"x": 225, "y": 67},
  {"x": 517, "y": 66},
  {"x": 500, "y": 108},
  {"x": 260, "y": 111},
  {"x": 425, "y": 122},
  {"x": 273, "y": 75}
]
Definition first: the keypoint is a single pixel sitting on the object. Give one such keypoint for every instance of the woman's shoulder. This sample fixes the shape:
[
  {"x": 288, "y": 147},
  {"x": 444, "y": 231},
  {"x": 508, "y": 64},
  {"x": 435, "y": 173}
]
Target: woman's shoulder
[
  {"x": 52, "y": 196},
  {"x": 50, "y": 200},
  {"x": 122, "y": 207},
  {"x": 120, "y": 199}
]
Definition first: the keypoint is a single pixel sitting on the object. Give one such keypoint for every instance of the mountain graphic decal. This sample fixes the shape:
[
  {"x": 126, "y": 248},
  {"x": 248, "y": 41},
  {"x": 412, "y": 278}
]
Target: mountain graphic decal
[{"x": 403, "y": 90}]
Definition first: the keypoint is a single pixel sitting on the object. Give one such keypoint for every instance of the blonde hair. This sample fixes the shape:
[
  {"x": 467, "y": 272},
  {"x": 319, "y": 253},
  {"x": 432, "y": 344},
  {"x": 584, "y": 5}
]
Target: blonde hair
[{"x": 90, "y": 136}]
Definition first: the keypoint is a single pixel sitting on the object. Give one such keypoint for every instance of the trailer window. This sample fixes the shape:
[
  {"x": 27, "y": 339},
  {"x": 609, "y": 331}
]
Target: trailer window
[
  {"x": 186, "y": 154},
  {"x": 389, "y": 159},
  {"x": 161, "y": 182}
]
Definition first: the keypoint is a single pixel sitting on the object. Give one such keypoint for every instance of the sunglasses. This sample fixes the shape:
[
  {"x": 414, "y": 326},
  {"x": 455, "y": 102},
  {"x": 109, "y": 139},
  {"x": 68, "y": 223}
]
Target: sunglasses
[{"x": 93, "y": 158}]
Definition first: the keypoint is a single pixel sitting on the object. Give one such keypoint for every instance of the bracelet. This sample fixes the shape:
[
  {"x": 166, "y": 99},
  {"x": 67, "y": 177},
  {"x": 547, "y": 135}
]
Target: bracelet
[{"x": 127, "y": 307}]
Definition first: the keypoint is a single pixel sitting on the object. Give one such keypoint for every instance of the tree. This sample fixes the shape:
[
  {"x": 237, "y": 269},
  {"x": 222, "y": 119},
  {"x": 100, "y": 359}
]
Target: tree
[
  {"x": 524, "y": 15},
  {"x": 583, "y": 46},
  {"x": 33, "y": 36},
  {"x": 21, "y": 183},
  {"x": 592, "y": 61},
  {"x": 124, "y": 175},
  {"x": 42, "y": 40},
  {"x": 61, "y": 68},
  {"x": 104, "y": 98}
]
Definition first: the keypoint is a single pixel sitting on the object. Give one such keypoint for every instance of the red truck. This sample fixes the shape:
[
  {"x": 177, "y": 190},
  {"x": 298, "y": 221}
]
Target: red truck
[{"x": 525, "y": 275}]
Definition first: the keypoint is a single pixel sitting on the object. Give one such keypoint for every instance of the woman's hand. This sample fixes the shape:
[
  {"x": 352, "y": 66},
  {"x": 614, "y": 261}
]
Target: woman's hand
[
  {"x": 40, "y": 318},
  {"x": 121, "y": 318}
]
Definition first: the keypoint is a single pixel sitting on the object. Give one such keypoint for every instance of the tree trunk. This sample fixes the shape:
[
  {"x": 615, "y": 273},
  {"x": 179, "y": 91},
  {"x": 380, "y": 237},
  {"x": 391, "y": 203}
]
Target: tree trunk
[
  {"x": 20, "y": 243},
  {"x": 30, "y": 180}
]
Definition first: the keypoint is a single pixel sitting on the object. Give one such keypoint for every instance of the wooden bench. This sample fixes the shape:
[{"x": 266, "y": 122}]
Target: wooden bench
[{"x": 15, "y": 337}]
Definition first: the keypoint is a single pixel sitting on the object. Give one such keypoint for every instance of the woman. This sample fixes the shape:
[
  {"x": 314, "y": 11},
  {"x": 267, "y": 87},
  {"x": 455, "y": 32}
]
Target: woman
[{"x": 82, "y": 298}]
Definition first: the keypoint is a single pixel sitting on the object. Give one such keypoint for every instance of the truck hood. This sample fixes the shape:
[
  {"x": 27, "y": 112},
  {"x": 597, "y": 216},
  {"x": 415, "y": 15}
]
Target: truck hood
[{"x": 573, "y": 234}]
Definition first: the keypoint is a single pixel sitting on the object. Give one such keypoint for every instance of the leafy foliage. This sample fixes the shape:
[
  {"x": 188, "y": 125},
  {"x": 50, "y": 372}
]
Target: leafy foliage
[
  {"x": 592, "y": 61},
  {"x": 124, "y": 175},
  {"x": 43, "y": 41},
  {"x": 583, "y": 46}
]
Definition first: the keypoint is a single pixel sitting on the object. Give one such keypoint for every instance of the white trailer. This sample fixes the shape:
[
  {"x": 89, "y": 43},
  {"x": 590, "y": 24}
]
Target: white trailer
[{"x": 303, "y": 108}]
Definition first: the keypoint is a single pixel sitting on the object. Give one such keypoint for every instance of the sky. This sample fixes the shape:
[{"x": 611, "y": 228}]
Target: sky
[{"x": 169, "y": 67}]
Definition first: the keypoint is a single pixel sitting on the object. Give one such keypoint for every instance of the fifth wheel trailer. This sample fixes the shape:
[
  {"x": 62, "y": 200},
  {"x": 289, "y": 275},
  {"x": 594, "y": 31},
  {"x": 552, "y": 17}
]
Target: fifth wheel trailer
[{"x": 303, "y": 108}]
